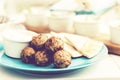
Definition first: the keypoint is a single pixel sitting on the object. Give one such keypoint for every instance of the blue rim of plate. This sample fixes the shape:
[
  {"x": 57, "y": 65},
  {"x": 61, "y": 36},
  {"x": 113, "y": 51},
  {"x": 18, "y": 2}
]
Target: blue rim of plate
[{"x": 26, "y": 67}]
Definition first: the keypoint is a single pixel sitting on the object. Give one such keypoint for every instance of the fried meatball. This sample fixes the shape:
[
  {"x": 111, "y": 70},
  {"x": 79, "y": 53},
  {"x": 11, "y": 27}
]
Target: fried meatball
[
  {"x": 54, "y": 44},
  {"x": 38, "y": 41},
  {"x": 27, "y": 55},
  {"x": 62, "y": 59},
  {"x": 42, "y": 58}
]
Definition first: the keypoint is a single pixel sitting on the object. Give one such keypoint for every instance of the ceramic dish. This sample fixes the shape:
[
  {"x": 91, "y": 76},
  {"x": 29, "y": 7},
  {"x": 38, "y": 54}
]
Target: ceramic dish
[
  {"x": 86, "y": 25},
  {"x": 16, "y": 40},
  {"x": 115, "y": 32},
  {"x": 77, "y": 63},
  {"x": 61, "y": 21}
]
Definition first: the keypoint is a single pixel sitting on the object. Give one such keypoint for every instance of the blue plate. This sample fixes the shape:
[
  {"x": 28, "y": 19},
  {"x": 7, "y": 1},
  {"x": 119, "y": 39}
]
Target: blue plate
[
  {"x": 17, "y": 64},
  {"x": 1, "y": 46}
]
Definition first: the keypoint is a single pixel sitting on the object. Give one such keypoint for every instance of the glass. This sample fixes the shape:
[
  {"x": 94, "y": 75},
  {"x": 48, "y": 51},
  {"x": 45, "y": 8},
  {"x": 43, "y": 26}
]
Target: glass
[
  {"x": 60, "y": 21},
  {"x": 86, "y": 25}
]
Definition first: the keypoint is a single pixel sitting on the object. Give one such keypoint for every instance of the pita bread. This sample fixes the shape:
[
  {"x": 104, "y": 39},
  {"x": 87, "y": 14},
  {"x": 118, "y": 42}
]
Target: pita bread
[
  {"x": 76, "y": 40},
  {"x": 68, "y": 45},
  {"x": 91, "y": 48},
  {"x": 86, "y": 46},
  {"x": 63, "y": 37},
  {"x": 74, "y": 53},
  {"x": 80, "y": 45}
]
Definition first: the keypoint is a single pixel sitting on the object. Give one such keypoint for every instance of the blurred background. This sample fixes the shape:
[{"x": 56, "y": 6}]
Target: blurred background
[{"x": 37, "y": 13}]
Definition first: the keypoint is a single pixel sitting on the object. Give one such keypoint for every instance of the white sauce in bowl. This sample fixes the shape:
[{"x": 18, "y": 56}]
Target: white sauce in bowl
[{"x": 19, "y": 35}]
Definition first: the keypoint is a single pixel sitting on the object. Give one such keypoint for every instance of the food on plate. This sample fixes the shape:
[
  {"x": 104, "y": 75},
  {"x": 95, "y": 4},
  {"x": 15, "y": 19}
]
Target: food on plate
[
  {"x": 86, "y": 46},
  {"x": 75, "y": 40},
  {"x": 62, "y": 59},
  {"x": 54, "y": 44},
  {"x": 61, "y": 35},
  {"x": 74, "y": 53},
  {"x": 59, "y": 49},
  {"x": 42, "y": 54},
  {"x": 68, "y": 45},
  {"x": 38, "y": 41},
  {"x": 27, "y": 55},
  {"x": 91, "y": 48},
  {"x": 42, "y": 58}
]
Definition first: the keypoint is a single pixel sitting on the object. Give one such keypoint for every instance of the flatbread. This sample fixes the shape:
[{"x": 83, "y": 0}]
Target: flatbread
[
  {"x": 74, "y": 53},
  {"x": 76, "y": 40},
  {"x": 68, "y": 45},
  {"x": 86, "y": 46},
  {"x": 80, "y": 46},
  {"x": 91, "y": 48},
  {"x": 63, "y": 37}
]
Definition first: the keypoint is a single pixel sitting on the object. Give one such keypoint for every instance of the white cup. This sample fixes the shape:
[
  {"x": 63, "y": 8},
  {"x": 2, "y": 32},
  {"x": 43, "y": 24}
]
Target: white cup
[
  {"x": 36, "y": 20},
  {"x": 61, "y": 21},
  {"x": 86, "y": 26},
  {"x": 15, "y": 41},
  {"x": 115, "y": 32},
  {"x": 37, "y": 17}
]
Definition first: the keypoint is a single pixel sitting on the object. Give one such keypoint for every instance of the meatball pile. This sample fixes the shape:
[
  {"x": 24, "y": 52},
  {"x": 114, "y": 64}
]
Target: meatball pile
[{"x": 44, "y": 51}]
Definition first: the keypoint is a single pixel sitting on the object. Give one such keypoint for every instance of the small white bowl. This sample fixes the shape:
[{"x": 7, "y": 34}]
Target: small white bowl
[
  {"x": 36, "y": 20},
  {"x": 61, "y": 21},
  {"x": 37, "y": 17},
  {"x": 86, "y": 27},
  {"x": 115, "y": 32},
  {"x": 15, "y": 41}
]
